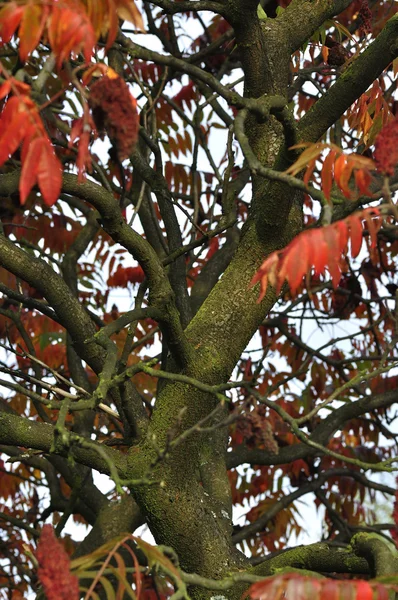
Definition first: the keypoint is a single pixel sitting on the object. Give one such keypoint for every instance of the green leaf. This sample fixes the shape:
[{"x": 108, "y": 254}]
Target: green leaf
[{"x": 262, "y": 15}]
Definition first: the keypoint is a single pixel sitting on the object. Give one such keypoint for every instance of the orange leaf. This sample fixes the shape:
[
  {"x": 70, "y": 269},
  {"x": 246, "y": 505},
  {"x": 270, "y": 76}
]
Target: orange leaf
[
  {"x": 373, "y": 227},
  {"x": 31, "y": 29},
  {"x": 327, "y": 173},
  {"x": 342, "y": 170},
  {"x": 311, "y": 152},
  {"x": 70, "y": 30},
  {"x": 339, "y": 166},
  {"x": 309, "y": 171},
  {"x": 127, "y": 10},
  {"x": 362, "y": 181}
]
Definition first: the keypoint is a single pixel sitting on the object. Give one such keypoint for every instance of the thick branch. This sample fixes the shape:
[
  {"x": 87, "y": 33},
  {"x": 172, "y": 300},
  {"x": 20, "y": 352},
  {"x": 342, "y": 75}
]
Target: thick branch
[
  {"x": 378, "y": 553},
  {"x": 315, "y": 557},
  {"x": 17, "y": 431},
  {"x": 320, "y": 435}
]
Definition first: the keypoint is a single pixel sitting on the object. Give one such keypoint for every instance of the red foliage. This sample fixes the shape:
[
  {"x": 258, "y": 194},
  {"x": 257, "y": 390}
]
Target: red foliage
[
  {"x": 72, "y": 26},
  {"x": 187, "y": 95},
  {"x": 347, "y": 297},
  {"x": 296, "y": 587},
  {"x": 125, "y": 275},
  {"x": 20, "y": 122},
  {"x": 319, "y": 249},
  {"x": 54, "y": 568},
  {"x": 70, "y": 31},
  {"x": 82, "y": 129}
]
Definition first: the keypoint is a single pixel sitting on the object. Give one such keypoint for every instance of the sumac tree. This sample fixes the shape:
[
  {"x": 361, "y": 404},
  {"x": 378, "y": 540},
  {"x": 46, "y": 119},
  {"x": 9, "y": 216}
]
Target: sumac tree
[{"x": 198, "y": 297}]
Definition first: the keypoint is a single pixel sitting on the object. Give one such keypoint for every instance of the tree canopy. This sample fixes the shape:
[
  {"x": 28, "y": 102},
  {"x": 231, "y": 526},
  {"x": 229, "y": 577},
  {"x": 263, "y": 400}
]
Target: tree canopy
[{"x": 198, "y": 256}]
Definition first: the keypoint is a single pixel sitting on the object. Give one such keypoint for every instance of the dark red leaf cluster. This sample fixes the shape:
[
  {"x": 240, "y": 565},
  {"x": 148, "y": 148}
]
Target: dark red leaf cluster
[
  {"x": 115, "y": 112},
  {"x": 386, "y": 148},
  {"x": 337, "y": 55},
  {"x": 347, "y": 296},
  {"x": 256, "y": 431},
  {"x": 54, "y": 568}
]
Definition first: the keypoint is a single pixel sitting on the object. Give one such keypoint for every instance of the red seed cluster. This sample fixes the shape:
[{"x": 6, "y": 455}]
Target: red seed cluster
[
  {"x": 386, "y": 148},
  {"x": 54, "y": 568},
  {"x": 115, "y": 112},
  {"x": 365, "y": 18}
]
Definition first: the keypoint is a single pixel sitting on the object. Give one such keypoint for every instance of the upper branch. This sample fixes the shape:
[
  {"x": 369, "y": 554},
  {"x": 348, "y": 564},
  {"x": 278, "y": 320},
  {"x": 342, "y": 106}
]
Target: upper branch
[
  {"x": 68, "y": 309},
  {"x": 310, "y": 15},
  {"x": 351, "y": 84},
  {"x": 172, "y": 8},
  {"x": 260, "y": 107}
]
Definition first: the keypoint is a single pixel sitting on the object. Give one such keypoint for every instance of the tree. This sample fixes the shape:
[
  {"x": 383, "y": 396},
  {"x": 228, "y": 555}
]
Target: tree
[{"x": 255, "y": 229}]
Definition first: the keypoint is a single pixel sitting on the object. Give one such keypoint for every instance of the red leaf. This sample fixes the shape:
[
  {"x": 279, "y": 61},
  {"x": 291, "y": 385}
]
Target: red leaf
[
  {"x": 42, "y": 166},
  {"x": 10, "y": 18},
  {"x": 295, "y": 265},
  {"x": 82, "y": 129},
  {"x": 342, "y": 227},
  {"x": 49, "y": 173},
  {"x": 12, "y": 84},
  {"x": 356, "y": 235},
  {"x": 364, "y": 590},
  {"x": 331, "y": 590},
  {"x": 316, "y": 248},
  {"x": 332, "y": 238},
  {"x": 320, "y": 257},
  {"x": 125, "y": 275},
  {"x": 30, "y": 165}
]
